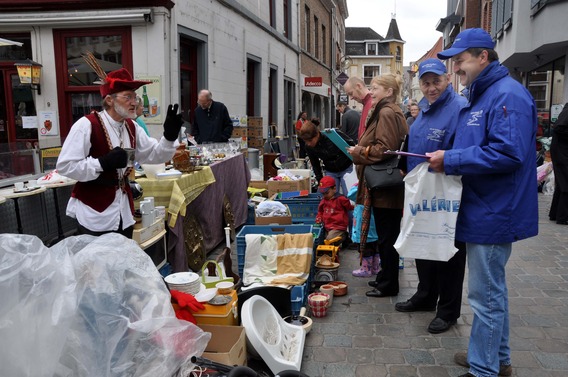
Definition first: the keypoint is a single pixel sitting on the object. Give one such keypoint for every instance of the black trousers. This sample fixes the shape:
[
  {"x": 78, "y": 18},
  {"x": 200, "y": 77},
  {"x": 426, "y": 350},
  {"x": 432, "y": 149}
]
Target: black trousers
[
  {"x": 387, "y": 221},
  {"x": 125, "y": 232},
  {"x": 443, "y": 280}
]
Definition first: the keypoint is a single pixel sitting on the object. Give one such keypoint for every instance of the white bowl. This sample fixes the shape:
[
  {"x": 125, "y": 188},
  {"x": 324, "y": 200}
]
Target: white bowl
[{"x": 224, "y": 287}]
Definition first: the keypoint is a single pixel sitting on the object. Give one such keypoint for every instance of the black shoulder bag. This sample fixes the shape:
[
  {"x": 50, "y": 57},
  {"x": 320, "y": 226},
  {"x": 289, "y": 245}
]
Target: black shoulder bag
[{"x": 385, "y": 173}]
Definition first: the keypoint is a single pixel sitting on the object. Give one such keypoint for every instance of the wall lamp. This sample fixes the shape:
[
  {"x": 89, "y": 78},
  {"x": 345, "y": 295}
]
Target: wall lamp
[{"x": 29, "y": 72}]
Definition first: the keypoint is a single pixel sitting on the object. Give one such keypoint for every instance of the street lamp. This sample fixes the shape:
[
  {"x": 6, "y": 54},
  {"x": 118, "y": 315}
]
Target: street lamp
[
  {"x": 29, "y": 72},
  {"x": 345, "y": 62}
]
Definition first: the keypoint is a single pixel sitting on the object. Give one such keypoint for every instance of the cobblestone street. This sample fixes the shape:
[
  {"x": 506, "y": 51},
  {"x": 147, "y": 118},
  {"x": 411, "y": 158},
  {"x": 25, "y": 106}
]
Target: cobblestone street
[{"x": 364, "y": 336}]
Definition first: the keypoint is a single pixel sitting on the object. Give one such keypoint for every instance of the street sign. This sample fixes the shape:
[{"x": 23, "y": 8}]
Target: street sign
[{"x": 342, "y": 78}]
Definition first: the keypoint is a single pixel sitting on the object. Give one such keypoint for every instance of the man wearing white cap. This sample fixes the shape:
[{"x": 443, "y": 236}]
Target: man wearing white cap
[
  {"x": 439, "y": 283},
  {"x": 494, "y": 152}
]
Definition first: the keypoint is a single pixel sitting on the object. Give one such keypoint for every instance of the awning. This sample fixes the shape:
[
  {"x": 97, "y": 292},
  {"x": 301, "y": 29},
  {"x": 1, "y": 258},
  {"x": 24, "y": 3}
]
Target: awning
[{"x": 7, "y": 42}]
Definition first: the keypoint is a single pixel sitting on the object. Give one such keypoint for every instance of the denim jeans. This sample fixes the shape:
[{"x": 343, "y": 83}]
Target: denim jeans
[
  {"x": 488, "y": 298},
  {"x": 339, "y": 181}
]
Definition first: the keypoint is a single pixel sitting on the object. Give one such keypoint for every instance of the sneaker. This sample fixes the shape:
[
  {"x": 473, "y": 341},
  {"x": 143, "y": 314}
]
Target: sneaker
[{"x": 460, "y": 358}]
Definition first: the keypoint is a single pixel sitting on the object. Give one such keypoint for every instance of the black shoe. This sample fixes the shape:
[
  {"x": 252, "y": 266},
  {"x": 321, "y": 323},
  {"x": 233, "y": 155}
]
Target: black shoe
[
  {"x": 372, "y": 283},
  {"x": 408, "y": 306},
  {"x": 438, "y": 325},
  {"x": 376, "y": 293}
]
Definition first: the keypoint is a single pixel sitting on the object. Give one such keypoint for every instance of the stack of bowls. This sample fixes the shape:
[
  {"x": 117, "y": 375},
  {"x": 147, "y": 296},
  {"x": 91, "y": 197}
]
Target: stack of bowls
[
  {"x": 186, "y": 282},
  {"x": 318, "y": 303}
]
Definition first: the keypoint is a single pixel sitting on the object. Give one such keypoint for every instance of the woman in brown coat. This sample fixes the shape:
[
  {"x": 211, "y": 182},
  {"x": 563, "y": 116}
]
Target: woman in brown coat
[{"x": 385, "y": 129}]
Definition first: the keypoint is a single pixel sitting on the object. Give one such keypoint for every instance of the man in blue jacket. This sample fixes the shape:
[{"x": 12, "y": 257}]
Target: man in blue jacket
[
  {"x": 494, "y": 152},
  {"x": 434, "y": 129}
]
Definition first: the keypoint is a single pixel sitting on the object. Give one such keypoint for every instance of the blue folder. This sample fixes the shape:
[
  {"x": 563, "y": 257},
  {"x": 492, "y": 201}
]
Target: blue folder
[{"x": 337, "y": 140}]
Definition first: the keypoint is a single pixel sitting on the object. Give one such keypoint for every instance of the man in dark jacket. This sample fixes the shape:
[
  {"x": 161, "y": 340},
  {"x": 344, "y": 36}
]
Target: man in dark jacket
[
  {"x": 320, "y": 147},
  {"x": 349, "y": 121},
  {"x": 212, "y": 122},
  {"x": 494, "y": 153},
  {"x": 559, "y": 154}
]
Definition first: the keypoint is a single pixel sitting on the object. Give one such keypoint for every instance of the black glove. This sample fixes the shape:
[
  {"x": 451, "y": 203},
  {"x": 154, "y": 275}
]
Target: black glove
[
  {"x": 115, "y": 159},
  {"x": 173, "y": 123}
]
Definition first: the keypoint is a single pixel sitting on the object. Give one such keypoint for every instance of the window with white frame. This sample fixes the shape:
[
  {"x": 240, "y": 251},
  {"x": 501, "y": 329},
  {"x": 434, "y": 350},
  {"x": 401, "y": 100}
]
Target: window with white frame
[
  {"x": 370, "y": 71},
  {"x": 372, "y": 48}
]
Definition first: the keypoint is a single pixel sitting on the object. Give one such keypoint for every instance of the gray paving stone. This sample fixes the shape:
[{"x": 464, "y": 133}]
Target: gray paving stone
[
  {"x": 359, "y": 356},
  {"x": 371, "y": 370},
  {"x": 389, "y": 356},
  {"x": 338, "y": 370},
  {"x": 415, "y": 357},
  {"x": 329, "y": 355},
  {"x": 337, "y": 340},
  {"x": 432, "y": 371},
  {"x": 360, "y": 341},
  {"x": 403, "y": 371}
]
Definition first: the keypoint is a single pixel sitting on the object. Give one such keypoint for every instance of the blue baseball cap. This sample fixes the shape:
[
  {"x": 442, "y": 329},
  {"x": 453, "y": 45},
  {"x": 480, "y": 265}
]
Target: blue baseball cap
[
  {"x": 469, "y": 38},
  {"x": 431, "y": 65}
]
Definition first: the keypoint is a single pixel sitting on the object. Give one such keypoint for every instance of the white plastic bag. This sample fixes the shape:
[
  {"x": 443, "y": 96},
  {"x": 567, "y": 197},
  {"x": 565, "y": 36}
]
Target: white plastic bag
[
  {"x": 88, "y": 307},
  {"x": 431, "y": 205}
]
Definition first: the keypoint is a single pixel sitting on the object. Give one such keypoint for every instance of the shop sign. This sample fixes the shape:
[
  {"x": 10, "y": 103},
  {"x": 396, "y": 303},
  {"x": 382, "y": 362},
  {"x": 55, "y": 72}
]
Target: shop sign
[
  {"x": 151, "y": 95},
  {"x": 313, "y": 81}
]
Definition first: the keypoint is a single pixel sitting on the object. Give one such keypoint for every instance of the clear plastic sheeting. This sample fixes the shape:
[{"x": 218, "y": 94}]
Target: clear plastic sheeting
[{"x": 88, "y": 306}]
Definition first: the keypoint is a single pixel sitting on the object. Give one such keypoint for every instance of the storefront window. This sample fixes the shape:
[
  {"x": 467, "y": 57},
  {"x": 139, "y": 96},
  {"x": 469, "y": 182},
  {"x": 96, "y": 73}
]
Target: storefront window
[
  {"x": 546, "y": 85},
  {"x": 18, "y": 133},
  {"x": 78, "y": 92}
]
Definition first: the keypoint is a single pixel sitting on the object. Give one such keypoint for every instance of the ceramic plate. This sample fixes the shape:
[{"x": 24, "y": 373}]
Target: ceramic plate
[
  {"x": 205, "y": 294},
  {"x": 220, "y": 300}
]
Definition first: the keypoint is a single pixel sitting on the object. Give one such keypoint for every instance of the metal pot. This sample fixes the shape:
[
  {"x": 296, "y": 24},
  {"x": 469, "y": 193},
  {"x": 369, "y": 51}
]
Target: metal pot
[{"x": 300, "y": 320}]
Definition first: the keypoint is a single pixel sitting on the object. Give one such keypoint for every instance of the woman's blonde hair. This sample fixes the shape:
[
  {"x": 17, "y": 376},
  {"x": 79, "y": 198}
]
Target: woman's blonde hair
[{"x": 390, "y": 80}]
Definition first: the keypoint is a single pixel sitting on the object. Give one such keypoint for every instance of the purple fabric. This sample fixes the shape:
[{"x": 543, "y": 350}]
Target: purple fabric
[{"x": 232, "y": 177}]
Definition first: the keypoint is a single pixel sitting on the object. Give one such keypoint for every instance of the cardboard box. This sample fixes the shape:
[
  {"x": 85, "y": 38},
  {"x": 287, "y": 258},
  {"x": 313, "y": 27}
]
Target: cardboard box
[
  {"x": 142, "y": 235},
  {"x": 255, "y": 143},
  {"x": 227, "y": 345},
  {"x": 280, "y": 220},
  {"x": 275, "y": 187},
  {"x": 254, "y": 122},
  {"x": 239, "y": 132},
  {"x": 258, "y": 184},
  {"x": 255, "y": 133}
]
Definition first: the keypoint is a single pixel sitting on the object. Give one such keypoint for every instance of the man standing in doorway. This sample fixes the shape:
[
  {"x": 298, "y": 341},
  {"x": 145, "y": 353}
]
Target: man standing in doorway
[
  {"x": 494, "y": 153},
  {"x": 212, "y": 123},
  {"x": 356, "y": 89},
  {"x": 349, "y": 121}
]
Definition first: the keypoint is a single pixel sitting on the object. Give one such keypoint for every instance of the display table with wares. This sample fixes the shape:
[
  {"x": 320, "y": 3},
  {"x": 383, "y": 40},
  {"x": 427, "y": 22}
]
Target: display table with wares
[{"x": 200, "y": 204}]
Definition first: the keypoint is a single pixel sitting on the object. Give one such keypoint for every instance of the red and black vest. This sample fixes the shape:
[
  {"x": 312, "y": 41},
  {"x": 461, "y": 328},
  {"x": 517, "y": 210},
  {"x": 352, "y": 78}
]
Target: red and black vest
[{"x": 100, "y": 193}]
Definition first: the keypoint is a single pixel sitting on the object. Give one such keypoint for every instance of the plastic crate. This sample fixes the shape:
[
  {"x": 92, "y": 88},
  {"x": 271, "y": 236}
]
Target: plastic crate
[
  {"x": 303, "y": 209},
  {"x": 279, "y": 229}
]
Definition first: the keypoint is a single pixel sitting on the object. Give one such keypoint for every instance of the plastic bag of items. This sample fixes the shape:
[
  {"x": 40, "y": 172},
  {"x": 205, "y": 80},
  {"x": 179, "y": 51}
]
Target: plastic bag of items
[
  {"x": 88, "y": 307},
  {"x": 270, "y": 208}
]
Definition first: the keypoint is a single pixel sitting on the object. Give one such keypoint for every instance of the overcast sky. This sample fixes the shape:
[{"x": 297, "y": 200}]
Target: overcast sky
[{"x": 416, "y": 19}]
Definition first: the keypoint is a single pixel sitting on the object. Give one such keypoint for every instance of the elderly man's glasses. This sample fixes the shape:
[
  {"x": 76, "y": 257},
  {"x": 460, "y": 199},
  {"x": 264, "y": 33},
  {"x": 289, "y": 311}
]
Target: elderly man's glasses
[{"x": 128, "y": 98}]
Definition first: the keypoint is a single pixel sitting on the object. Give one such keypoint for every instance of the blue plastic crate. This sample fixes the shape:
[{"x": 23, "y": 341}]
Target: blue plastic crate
[
  {"x": 303, "y": 209},
  {"x": 278, "y": 229}
]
